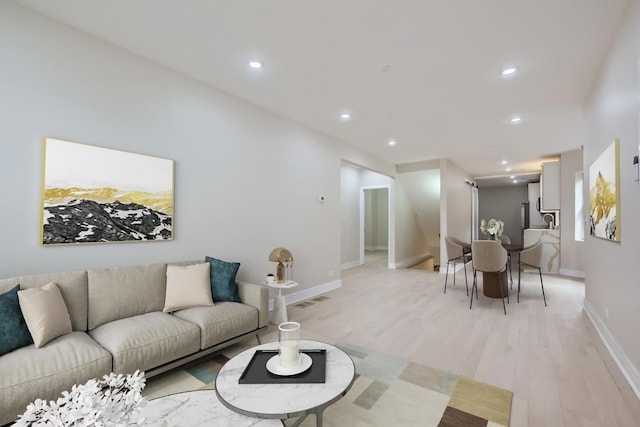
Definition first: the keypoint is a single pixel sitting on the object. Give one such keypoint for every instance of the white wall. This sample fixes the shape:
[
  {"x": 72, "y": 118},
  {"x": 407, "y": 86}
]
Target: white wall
[
  {"x": 423, "y": 191},
  {"x": 411, "y": 245},
  {"x": 376, "y": 229},
  {"x": 405, "y": 241},
  {"x": 455, "y": 210},
  {"x": 612, "y": 269},
  {"x": 349, "y": 215},
  {"x": 246, "y": 180},
  {"x": 571, "y": 251}
]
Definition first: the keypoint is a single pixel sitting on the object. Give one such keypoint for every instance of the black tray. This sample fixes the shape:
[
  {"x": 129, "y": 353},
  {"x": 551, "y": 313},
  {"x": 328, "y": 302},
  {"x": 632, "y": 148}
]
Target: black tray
[{"x": 256, "y": 371}]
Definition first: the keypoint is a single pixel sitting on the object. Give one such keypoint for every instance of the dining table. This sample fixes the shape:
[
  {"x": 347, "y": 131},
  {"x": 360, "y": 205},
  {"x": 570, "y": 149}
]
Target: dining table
[{"x": 491, "y": 281}]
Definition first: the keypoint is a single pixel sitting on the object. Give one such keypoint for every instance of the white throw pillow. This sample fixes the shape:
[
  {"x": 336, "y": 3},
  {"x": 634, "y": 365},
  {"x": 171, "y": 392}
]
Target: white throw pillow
[
  {"x": 188, "y": 286},
  {"x": 45, "y": 313}
]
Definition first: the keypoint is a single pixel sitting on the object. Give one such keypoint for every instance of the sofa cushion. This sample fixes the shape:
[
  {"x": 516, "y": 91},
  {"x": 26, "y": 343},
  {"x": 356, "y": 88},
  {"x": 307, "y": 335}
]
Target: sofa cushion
[
  {"x": 147, "y": 341},
  {"x": 28, "y": 373},
  {"x": 72, "y": 285},
  {"x": 45, "y": 313},
  {"x": 223, "y": 280},
  {"x": 118, "y": 293},
  {"x": 13, "y": 328},
  {"x": 223, "y": 321},
  {"x": 187, "y": 286}
]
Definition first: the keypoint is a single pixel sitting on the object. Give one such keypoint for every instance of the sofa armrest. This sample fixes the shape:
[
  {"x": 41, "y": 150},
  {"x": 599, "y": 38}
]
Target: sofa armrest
[{"x": 258, "y": 297}]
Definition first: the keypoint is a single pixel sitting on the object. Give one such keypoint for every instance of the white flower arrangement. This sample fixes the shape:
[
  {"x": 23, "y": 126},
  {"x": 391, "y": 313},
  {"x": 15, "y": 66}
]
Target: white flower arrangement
[
  {"x": 112, "y": 401},
  {"x": 493, "y": 228}
]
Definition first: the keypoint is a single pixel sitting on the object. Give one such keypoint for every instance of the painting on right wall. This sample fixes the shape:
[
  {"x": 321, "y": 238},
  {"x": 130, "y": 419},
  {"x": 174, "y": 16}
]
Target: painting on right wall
[{"x": 604, "y": 194}]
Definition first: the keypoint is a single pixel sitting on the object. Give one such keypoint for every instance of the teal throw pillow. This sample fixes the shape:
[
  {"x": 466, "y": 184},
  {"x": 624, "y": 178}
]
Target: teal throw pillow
[
  {"x": 13, "y": 329},
  {"x": 223, "y": 280}
]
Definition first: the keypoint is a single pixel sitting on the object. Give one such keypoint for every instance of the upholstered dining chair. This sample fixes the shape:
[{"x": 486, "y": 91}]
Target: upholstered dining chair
[
  {"x": 532, "y": 257},
  {"x": 506, "y": 240},
  {"x": 488, "y": 256},
  {"x": 456, "y": 253}
]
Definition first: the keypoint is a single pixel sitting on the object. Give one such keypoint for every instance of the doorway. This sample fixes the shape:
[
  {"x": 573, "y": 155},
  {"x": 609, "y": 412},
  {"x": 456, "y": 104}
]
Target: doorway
[{"x": 374, "y": 223}]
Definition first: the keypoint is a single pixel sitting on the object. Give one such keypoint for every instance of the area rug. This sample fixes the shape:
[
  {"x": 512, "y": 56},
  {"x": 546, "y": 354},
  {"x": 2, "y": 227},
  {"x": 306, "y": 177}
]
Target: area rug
[{"x": 388, "y": 391}]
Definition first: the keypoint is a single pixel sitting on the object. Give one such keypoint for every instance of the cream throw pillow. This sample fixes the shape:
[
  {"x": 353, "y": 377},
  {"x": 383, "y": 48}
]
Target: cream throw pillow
[
  {"x": 45, "y": 313},
  {"x": 188, "y": 286}
]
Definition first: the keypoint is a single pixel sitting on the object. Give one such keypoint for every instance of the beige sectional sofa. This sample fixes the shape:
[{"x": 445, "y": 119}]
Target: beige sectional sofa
[{"x": 118, "y": 325}]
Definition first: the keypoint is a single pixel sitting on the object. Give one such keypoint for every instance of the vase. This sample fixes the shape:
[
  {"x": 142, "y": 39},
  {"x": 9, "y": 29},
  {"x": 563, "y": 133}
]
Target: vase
[
  {"x": 288, "y": 337},
  {"x": 494, "y": 237}
]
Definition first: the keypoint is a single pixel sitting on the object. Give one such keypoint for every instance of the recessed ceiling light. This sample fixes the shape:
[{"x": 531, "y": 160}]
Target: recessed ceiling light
[
  {"x": 345, "y": 116},
  {"x": 516, "y": 119},
  {"x": 515, "y": 181},
  {"x": 508, "y": 169},
  {"x": 504, "y": 162},
  {"x": 512, "y": 177},
  {"x": 255, "y": 64},
  {"x": 392, "y": 142},
  {"x": 509, "y": 72}
]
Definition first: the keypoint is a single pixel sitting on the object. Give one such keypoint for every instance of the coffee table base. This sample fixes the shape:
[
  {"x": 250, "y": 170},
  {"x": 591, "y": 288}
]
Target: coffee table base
[{"x": 317, "y": 411}]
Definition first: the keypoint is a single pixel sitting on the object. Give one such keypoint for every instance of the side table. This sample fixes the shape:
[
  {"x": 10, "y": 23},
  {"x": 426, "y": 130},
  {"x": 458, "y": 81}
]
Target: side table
[
  {"x": 279, "y": 302},
  {"x": 283, "y": 401}
]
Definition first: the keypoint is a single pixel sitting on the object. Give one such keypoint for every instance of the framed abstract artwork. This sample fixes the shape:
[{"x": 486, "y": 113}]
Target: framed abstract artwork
[
  {"x": 92, "y": 194},
  {"x": 604, "y": 194}
]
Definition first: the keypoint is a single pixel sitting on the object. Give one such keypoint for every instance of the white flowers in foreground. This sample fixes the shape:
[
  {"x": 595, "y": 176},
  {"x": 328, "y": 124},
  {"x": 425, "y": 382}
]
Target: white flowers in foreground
[
  {"x": 493, "y": 227},
  {"x": 112, "y": 401}
]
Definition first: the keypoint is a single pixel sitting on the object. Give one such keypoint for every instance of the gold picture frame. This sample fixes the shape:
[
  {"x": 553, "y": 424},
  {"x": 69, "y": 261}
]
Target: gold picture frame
[
  {"x": 93, "y": 194},
  {"x": 604, "y": 194}
]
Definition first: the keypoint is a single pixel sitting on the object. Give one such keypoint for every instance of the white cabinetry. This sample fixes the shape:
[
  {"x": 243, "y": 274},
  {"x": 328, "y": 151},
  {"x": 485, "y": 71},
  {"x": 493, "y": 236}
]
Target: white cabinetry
[
  {"x": 550, "y": 186},
  {"x": 535, "y": 217}
]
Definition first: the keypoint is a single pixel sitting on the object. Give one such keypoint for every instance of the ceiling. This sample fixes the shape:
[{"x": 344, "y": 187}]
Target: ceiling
[{"x": 426, "y": 73}]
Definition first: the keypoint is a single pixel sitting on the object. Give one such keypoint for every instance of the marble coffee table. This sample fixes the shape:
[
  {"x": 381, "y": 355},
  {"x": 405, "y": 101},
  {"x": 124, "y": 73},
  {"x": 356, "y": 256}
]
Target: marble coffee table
[
  {"x": 282, "y": 401},
  {"x": 196, "y": 408}
]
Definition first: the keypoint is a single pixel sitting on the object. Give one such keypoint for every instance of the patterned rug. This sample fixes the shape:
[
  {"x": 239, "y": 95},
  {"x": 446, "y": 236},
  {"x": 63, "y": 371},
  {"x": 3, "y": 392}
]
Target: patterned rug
[{"x": 387, "y": 391}]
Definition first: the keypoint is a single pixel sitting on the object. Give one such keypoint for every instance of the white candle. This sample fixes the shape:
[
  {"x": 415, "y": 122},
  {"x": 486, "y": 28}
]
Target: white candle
[{"x": 289, "y": 357}]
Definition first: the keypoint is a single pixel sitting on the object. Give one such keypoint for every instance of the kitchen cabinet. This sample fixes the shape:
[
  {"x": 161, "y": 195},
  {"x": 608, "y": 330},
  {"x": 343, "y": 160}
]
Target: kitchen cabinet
[
  {"x": 550, "y": 186},
  {"x": 535, "y": 217},
  {"x": 550, "y": 247}
]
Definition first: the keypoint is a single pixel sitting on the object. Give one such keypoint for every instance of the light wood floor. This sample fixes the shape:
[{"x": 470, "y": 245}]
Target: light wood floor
[{"x": 551, "y": 358}]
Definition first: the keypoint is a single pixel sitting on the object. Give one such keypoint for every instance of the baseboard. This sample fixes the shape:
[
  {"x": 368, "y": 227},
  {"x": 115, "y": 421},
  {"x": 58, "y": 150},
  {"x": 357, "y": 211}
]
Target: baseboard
[
  {"x": 376, "y": 248},
  {"x": 572, "y": 273},
  {"x": 624, "y": 364},
  {"x": 349, "y": 264},
  {"x": 309, "y": 293},
  {"x": 411, "y": 261}
]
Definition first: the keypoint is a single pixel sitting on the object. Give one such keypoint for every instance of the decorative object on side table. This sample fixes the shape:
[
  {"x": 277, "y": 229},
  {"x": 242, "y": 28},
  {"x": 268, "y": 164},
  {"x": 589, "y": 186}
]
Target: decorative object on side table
[
  {"x": 289, "y": 360},
  {"x": 288, "y": 337},
  {"x": 284, "y": 259},
  {"x": 493, "y": 228},
  {"x": 111, "y": 401}
]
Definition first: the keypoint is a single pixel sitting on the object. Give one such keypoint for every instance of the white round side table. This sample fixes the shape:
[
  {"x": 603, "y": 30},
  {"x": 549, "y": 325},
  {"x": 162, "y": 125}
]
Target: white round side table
[{"x": 279, "y": 302}]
